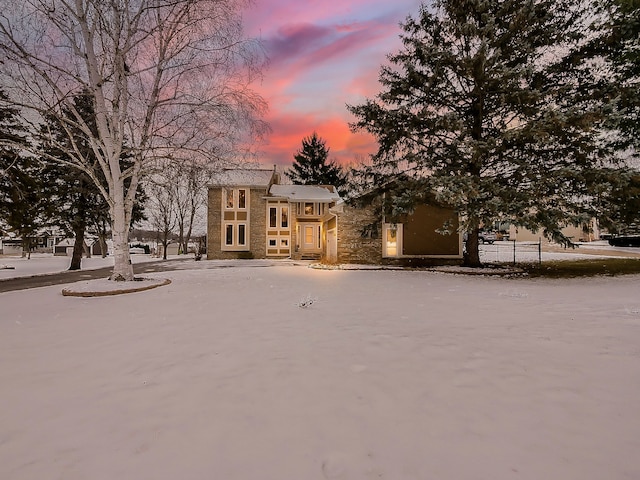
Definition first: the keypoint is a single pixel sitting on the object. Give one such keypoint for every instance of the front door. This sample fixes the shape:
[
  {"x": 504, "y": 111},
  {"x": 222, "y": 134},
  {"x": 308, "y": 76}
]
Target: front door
[{"x": 310, "y": 237}]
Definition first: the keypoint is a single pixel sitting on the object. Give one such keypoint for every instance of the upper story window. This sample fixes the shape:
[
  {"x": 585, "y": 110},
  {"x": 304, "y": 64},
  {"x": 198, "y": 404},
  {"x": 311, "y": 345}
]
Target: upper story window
[
  {"x": 235, "y": 198},
  {"x": 279, "y": 216},
  {"x": 311, "y": 209}
]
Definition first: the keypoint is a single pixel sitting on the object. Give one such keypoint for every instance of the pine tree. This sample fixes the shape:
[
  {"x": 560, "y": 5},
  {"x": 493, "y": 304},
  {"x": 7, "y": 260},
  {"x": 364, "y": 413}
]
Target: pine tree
[
  {"x": 311, "y": 165},
  {"x": 23, "y": 206},
  {"x": 617, "y": 46},
  {"x": 73, "y": 192},
  {"x": 473, "y": 112}
]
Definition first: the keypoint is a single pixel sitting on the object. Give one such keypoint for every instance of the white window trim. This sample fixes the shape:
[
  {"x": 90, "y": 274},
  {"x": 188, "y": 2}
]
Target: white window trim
[
  {"x": 279, "y": 233},
  {"x": 235, "y": 246}
]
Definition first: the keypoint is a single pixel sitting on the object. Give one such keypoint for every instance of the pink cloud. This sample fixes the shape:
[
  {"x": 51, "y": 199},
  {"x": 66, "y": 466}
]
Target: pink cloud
[
  {"x": 289, "y": 130},
  {"x": 321, "y": 58}
]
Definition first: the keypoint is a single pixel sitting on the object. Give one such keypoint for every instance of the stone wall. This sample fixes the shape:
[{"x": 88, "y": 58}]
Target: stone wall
[
  {"x": 353, "y": 246},
  {"x": 258, "y": 217}
]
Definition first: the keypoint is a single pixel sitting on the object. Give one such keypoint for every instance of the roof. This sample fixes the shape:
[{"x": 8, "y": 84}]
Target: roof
[
  {"x": 302, "y": 193},
  {"x": 243, "y": 177}
]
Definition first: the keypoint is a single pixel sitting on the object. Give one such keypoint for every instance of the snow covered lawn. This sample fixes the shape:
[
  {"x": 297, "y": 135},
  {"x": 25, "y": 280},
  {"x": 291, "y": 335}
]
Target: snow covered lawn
[{"x": 292, "y": 373}]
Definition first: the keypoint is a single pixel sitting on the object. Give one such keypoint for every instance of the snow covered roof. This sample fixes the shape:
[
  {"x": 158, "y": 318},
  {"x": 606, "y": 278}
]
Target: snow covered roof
[
  {"x": 302, "y": 193},
  {"x": 67, "y": 242},
  {"x": 243, "y": 177}
]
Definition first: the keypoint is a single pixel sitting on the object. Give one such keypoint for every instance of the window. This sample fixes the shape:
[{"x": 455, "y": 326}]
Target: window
[
  {"x": 278, "y": 229},
  {"x": 235, "y": 198},
  {"x": 235, "y": 231},
  {"x": 273, "y": 217},
  {"x": 229, "y": 235},
  {"x": 235, "y": 235},
  {"x": 392, "y": 239},
  {"x": 308, "y": 208}
]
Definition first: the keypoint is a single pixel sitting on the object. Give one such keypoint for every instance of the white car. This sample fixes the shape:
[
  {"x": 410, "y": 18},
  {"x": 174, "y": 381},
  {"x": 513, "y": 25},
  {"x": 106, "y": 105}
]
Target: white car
[{"x": 486, "y": 236}]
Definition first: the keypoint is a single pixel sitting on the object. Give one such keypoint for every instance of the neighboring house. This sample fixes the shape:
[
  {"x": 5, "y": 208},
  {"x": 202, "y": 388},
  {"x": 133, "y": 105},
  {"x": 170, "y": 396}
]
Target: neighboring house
[
  {"x": 11, "y": 246},
  {"x": 43, "y": 241},
  {"x": 65, "y": 248},
  {"x": 172, "y": 249},
  {"x": 252, "y": 215},
  {"x": 585, "y": 233}
]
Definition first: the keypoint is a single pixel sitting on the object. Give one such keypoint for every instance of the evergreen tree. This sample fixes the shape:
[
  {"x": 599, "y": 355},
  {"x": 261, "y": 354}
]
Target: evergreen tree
[
  {"x": 73, "y": 192},
  {"x": 311, "y": 165},
  {"x": 23, "y": 205},
  {"x": 621, "y": 44},
  {"x": 474, "y": 113},
  {"x": 617, "y": 46}
]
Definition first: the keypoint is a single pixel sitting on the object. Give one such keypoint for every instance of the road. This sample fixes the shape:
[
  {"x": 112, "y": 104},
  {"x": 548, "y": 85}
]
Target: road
[{"x": 45, "y": 280}]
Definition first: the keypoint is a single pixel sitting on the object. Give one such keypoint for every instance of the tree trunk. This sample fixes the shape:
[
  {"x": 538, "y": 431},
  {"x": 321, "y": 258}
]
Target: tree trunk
[
  {"x": 472, "y": 255},
  {"x": 181, "y": 241},
  {"x": 103, "y": 245},
  {"x": 165, "y": 244},
  {"x": 78, "y": 248},
  {"x": 187, "y": 236},
  {"x": 122, "y": 268},
  {"x": 26, "y": 248}
]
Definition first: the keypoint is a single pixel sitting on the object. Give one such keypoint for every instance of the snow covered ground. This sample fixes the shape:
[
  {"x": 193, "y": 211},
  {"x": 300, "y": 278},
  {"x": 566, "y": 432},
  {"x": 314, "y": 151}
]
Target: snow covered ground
[
  {"x": 43, "y": 263},
  {"x": 287, "y": 372}
]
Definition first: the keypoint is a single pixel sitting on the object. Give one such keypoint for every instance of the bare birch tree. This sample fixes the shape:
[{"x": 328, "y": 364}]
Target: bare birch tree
[
  {"x": 162, "y": 212},
  {"x": 167, "y": 76}
]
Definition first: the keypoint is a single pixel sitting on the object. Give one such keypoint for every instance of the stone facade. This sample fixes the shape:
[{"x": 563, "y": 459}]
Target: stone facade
[{"x": 356, "y": 244}]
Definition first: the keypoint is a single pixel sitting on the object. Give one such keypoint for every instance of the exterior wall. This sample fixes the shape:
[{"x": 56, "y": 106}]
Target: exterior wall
[
  {"x": 421, "y": 238},
  {"x": 257, "y": 225},
  {"x": 577, "y": 234},
  {"x": 353, "y": 246}
]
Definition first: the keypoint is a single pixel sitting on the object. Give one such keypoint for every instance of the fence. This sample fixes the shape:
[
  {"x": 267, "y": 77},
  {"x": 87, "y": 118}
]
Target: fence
[{"x": 511, "y": 252}]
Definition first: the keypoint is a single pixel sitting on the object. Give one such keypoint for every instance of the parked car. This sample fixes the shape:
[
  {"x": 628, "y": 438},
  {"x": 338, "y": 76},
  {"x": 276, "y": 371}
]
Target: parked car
[
  {"x": 625, "y": 241},
  {"x": 485, "y": 236}
]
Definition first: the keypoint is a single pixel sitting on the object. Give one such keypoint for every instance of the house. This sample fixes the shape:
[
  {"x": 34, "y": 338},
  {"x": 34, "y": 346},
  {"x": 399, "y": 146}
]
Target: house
[
  {"x": 251, "y": 214},
  {"x": 10, "y": 246},
  {"x": 65, "y": 248},
  {"x": 582, "y": 233}
]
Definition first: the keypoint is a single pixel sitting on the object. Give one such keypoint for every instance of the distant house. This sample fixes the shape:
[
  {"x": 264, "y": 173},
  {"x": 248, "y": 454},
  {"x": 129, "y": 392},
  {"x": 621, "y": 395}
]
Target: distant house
[
  {"x": 585, "y": 233},
  {"x": 252, "y": 215},
  {"x": 43, "y": 241},
  {"x": 65, "y": 248},
  {"x": 172, "y": 249},
  {"x": 11, "y": 246}
]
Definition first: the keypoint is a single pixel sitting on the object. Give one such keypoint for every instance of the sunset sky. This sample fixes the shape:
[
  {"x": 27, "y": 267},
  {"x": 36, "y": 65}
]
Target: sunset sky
[{"x": 322, "y": 56}]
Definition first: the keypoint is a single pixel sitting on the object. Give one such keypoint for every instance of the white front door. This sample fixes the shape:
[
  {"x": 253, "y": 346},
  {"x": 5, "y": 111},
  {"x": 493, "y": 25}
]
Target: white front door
[{"x": 310, "y": 237}]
